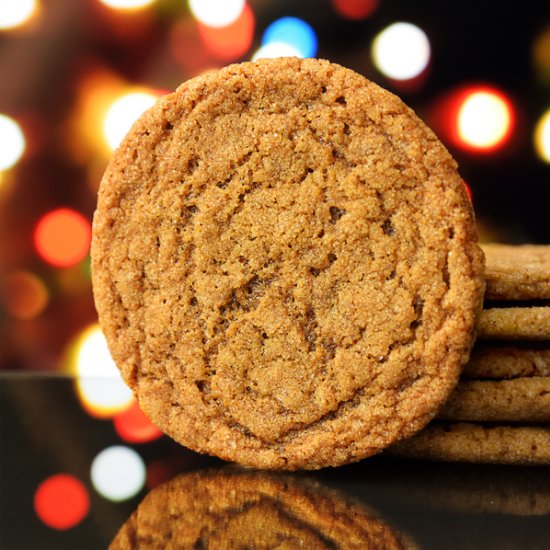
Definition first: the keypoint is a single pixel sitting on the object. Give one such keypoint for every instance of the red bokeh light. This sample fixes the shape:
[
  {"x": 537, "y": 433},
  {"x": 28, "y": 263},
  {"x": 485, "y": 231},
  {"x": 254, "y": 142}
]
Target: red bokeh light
[
  {"x": 447, "y": 114},
  {"x": 62, "y": 237},
  {"x": 134, "y": 427},
  {"x": 355, "y": 9},
  {"x": 61, "y": 501},
  {"x": 230, "y": 42}
]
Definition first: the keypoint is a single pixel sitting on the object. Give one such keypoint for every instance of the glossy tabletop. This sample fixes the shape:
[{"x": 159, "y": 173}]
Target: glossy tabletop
[{"x": 73, "y": 480}]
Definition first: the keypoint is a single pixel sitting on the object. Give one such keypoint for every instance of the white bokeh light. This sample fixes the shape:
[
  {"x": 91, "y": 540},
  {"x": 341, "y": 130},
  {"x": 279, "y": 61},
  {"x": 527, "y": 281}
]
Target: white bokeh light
[
  {"x": 483, "y": 120},
  {"x": 12, "y": 142},
  {"x": 542, "y": 137},
  {"x": 118, "y": 473},
  {"x": 276, "y": 49},
  {"x": 216, "y": 13},
  {"x": 99, "y": 384},
  {"x": 14, "y": 13},
  {"x": 123, "y": 113},
  {"x": 401, "y": 51},
  {"x": 127, "y": 4}
]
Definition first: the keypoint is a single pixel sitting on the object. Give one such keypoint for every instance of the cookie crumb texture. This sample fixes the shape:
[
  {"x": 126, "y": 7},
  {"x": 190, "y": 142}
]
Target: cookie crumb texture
[{"x": 285, "y": 265}]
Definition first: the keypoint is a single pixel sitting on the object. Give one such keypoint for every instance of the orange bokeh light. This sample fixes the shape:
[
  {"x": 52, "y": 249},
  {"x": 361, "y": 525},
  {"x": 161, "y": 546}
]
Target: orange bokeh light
[
  {"x": 26, "y": 295},
  {"x": 134, "y": 427},
  {"x": 234, "y": 40},
  {"x": 61, "y": 501},
  {"x": 62, "y": 237},
  {"x": 355, "y": 9}
]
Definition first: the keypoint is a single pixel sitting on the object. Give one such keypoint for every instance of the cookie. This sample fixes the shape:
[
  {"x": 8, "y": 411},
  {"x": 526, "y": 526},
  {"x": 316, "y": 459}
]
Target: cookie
[
  {"x": 517, "y": 400},
  {"x": 285, "y": 265},
  {"x": 464, "y": 442},
  {"x": 253, "y": 510},
  {"x": 515, "y": 323},
  {"x": 496, "y": 362},
  {"x": 517, "y": 272}
]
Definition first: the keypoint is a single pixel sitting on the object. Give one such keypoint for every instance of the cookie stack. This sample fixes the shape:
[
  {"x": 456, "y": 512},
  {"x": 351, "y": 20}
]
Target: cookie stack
[{"x": 500, "y": 410}]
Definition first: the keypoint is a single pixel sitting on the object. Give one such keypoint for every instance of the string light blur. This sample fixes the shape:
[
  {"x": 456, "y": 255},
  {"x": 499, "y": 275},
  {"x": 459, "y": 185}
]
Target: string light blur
[
  {"x": 484, "y": 119},
  {"x": 118, "y": 473},
  {"x": 542, "y": 137},
  {"x": 122, "y": 114},
  {"x": 13, "y": 142},
  {"x": 292, "y": 31},
  {"x": 99, "y": 385},
  {"x": 62, "y": 237},
  {"x": 216, "y": 13},
  {"x": 61, "y": 501},
  {"x": 401, "y": 51},
  {"x": 232, "y": 41},
  {"x": 127, "y": 5},
  {"x": 14, "y": 13},
  {"x": 355, "y": 9}
]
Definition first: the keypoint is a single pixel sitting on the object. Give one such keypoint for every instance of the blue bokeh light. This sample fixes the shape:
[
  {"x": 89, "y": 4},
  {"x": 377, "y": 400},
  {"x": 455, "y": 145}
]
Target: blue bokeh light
[{"x": 293, "y": 31}]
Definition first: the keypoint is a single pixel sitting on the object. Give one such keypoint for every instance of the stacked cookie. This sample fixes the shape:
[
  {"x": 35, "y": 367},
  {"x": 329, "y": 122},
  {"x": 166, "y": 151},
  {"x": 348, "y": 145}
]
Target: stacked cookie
[{"x": 500, "y": 410}]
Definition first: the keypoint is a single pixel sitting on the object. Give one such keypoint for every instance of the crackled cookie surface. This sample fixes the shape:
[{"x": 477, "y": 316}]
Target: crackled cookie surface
[{"x": 285, "y": 265}]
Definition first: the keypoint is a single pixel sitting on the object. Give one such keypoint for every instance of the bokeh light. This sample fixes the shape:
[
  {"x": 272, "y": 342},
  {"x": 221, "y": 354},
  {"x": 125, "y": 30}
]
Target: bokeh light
[
  {"x": 122, "y": 114},
  {"x": 541, "y": 55},
  {"x": 355, "y": 9},
  {"x": 26, "y": 295},
  {"x": 216, "y": 13},
  {"x": 133, "y": 426},
  {"x": 62, "y": 237},
  {"x": 401, "y": 51},
  {"x": 13, "y": 142},
  {"x": 484, "y": 119},
  {"x": 542, "y": 137},
  {"x": 231, "y": 41},
  {"x": 61, "y": 501},
  {"x": 292, "y": 31},
  {"x": 118, "y": 473},
  {"x": 275, "y": 49},
  {"x": 99, "y": 385},
  {"x": 14, "y": 13},
  {"x": 127, "y": 5}
]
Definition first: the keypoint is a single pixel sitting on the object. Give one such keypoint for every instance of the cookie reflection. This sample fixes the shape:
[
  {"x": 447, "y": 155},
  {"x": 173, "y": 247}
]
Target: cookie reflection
[{"x": 242, "y": 509}]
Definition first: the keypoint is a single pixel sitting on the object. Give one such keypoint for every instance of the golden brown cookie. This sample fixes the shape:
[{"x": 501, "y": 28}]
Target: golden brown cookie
[
  {"x": 493, "y": 444},
  {"x": 253, "y": 510},
  {"x": 515, "y": 323},
  {"x": 285, "y": 265},
  {"x": 507, "y": 361},
  {"x": 517, "y": 400},
  {"x": 517, "y": 272}
]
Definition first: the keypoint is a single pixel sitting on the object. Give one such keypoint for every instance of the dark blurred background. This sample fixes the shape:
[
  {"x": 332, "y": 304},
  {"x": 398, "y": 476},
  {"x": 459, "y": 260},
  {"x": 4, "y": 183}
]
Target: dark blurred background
[{"x": 76, "y": 73}]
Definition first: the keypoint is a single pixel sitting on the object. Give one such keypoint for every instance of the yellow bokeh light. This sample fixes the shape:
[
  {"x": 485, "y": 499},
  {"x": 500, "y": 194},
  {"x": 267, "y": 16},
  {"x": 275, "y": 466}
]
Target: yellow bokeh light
[
  {"x": 13, "y": 142},
  {"x": 122, "y": 114},
  {"x": 542, "y": 137},
  {"x": 216, "y": 13},
  {"x": 401, "y": 51},
  {"x": 100, "y": 387},
  {"x": 127, "y": 5},
  {"x": 484, "y": 120},
  {"x": 14, "y": 13}
]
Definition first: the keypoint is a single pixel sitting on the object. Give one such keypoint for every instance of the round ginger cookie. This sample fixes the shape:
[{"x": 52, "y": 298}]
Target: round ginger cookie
[
  {"x": 225, "y": 509},
  {"x": 285, "y": 265}
]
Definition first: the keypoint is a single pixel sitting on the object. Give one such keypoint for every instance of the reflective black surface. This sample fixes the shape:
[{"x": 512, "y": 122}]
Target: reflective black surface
[{"x": 44, "y": 430}]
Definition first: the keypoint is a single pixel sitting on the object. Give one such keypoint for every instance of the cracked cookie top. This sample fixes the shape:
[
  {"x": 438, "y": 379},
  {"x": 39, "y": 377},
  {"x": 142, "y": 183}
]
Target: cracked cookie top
[{"x": 285, "y": 265}]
